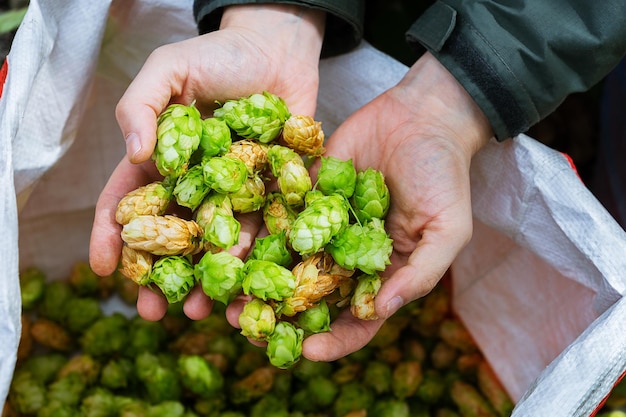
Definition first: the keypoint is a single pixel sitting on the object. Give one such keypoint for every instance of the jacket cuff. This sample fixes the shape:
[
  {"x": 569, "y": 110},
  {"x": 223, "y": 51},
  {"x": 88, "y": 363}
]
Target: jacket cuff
[
  {"x": 474, "y": 62},
  {"x": 344, "y": 20}
]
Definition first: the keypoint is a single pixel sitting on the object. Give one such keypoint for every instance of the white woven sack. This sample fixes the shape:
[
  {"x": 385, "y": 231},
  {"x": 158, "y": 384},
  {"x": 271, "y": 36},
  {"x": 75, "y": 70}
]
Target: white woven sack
[{"x": 540, "y": 286}]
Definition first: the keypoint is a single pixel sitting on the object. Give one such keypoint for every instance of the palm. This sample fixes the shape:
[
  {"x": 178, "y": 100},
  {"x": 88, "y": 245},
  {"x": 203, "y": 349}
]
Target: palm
[{"x": 429, "y": 218}]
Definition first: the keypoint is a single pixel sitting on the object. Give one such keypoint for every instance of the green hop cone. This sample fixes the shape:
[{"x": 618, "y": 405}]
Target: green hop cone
[
  {"x": 179, "y": 129},
  {"x": 216, "y": 138},
  {"x": 366, "y": 247},
  {"x": 272, "y": 248},
  {"x": 278, "y": 216},
  {"x": 259, "y": 116},
  {"x": 315, "y": 319},
  {"x": 224, "y": 174},
  {"x": 32, "y": 286},
  {"x": 257, "y": 320},
  {"x": 223, "y": 231},
  {"x": 362, "y": 302},
  {"x": 318, "y": 223},
  {"x": 174, "y": 275},
  {"x": 190, "y": 188},
  {"x": 279, "y": 155},
  {"x": 311, "y": 196},
  {"x": 294, "y": 182},
  {"x": 151, "y": 198},
  {"x": 267, "y": 280},
  {"x": 215, "y": 217},
  {"x": 284, "y": 346},
  {"x": 200, "y": 376},
  {"x": 371, "y": 195},
  {"x": 250, "y": 197},
  {"x": 336, "y": 176},
  {"x": 220, "y": 275}
]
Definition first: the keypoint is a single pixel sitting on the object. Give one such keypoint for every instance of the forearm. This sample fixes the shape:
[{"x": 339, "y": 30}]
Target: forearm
[
  {"x": 428, "y": 88},
  {"x": 343, "y": 28},
  {"x": 295, "y": 30}
]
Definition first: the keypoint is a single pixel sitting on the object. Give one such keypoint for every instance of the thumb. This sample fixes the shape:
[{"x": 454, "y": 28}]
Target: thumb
[
  {"x": 425, "y": 266},
  {"x": 137, "y": 111}
]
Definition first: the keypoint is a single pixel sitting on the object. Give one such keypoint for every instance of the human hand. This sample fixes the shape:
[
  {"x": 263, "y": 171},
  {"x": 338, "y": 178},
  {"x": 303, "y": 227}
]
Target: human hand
[
  {"x": 266, "y": 47},
  {"x": 421, "y": 135}
]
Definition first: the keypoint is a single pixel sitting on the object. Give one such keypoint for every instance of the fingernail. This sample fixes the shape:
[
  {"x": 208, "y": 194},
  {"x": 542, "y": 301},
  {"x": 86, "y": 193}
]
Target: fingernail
[
  {"x": 393, "y": 305},
  {"x": 133, "y": 145}
]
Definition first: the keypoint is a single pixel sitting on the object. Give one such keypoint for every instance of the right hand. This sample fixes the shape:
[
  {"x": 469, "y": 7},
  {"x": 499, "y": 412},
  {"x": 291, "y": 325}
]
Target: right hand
[{"x": 273, "y": 48}]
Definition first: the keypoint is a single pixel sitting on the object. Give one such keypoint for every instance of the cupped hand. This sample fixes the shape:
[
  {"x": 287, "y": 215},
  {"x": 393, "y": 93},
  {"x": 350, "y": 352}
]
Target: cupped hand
[
  {"x": 422, "y": 135},
  {"x": 258, "y": 48}
]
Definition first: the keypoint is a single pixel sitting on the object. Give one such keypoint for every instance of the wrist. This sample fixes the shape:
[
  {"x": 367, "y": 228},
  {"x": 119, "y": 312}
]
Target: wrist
[
  {"x": 295, "y": 30},
  {"x": 430, "y": 88}
]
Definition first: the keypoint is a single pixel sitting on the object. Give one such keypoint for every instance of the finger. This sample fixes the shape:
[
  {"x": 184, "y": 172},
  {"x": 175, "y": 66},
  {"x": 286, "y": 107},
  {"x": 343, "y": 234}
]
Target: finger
[
  {"x": 145, "y": 98},
  {"x": 151, "y": 305},
  {"x": 105, "y": 243},
  {"x": 197, "y": 304},
  {"x": 233, "y": 310},
  {"x": 251, "y": 224},
  {"x": 348, "y": 334},
  {"x": 432, "y": 257}
]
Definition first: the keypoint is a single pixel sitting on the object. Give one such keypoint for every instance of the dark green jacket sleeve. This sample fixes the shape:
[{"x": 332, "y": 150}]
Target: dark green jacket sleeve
[
  {"x": 344, "y": 21},
  {"x": 520, "y": 60}
]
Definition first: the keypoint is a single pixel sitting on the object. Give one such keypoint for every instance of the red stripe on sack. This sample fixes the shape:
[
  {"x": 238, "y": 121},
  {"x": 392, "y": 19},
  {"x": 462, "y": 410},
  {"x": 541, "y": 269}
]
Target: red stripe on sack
[
  {"x": 571, "y": 163},
  {"x": 3, "y": 74},
  {"x": 599, "y": 407}
]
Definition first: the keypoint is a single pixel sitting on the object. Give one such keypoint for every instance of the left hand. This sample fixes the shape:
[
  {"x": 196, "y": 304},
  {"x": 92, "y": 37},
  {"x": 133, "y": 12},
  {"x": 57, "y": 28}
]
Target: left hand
[{"x": 421, "y": 134}]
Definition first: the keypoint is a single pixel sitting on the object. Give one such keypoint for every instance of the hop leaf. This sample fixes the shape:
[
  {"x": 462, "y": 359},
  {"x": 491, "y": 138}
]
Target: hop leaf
[
  {"x": 174, "y": 275},
  {"x": 284, "y": 346},
  {"x": 220, "y": 275},
  {"x": 259, "y": 116},
  {"x": 179, "y": 129},
  {"x": 371, "y": 195}
]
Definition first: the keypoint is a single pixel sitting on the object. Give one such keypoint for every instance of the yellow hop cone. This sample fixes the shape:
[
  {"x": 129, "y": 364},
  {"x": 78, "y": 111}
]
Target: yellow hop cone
[
  {"x": 253, "y": 155},
  {"x": 152, "y": 198},
  {"x": 316, "y": 277},
  {"x": 136, "y": 265},
  {"x": 304, "y": 135},
  {"x": 163, "y": 235}
]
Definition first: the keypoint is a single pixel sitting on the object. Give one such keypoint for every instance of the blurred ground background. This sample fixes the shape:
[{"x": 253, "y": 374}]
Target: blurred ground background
[{"x": 574, "y": 128}]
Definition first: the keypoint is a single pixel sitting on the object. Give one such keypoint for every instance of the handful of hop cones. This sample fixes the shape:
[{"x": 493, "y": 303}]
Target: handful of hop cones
[{"x": 326, "y": 242}]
